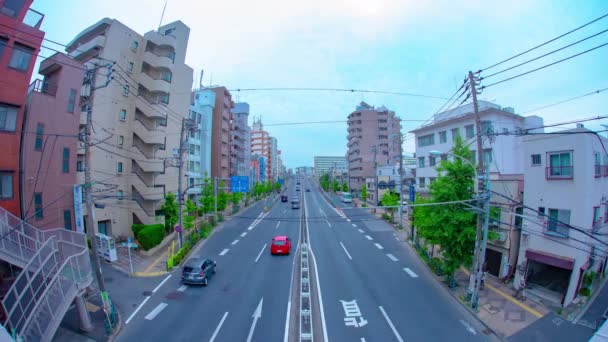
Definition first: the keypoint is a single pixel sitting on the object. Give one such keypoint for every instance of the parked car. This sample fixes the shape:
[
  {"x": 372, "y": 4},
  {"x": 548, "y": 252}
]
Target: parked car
[
  {"x": 284, "y": 198},
  {"x": 198, "y": 271},
  {"x": 280, "y": 244}
]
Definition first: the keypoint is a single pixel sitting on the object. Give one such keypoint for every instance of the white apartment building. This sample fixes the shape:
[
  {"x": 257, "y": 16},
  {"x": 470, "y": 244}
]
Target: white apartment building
[
  {"x": 137, "y": 119},
  {"x": 502, "y": 145},
  {"x": 566, "y": 212},
  {"x": 199, "y": 142},
  {"x": 330, "y": 164}
]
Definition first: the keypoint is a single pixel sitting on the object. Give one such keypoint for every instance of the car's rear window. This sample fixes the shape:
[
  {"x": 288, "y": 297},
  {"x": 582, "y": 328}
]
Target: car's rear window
[
  {"x": 188, "y": 269},
  {"x": 279, "y": 243}
]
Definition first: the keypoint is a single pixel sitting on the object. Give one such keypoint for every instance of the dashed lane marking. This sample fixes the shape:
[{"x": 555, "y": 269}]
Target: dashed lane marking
[{"x": 224, "y": 251}]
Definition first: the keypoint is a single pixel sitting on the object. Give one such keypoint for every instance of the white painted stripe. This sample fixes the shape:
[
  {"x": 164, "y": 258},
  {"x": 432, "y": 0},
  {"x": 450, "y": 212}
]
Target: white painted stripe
[
  {"x": 219, "y": 326},
  {"x": 235, "y": 242},
  {"x": 390, "y": 323},
  {"x": 224, "y": 251},
  {"x": 250, "y": 228},
  {"x": 368, "y": 237},
  {"x": 262, "y": 251},
  {"x": 348, "y": 219},
  {"x": 243, "y": 234},
  {"x": 136, "y": 310},
  {"x": 182, "y": 288},
  {"x": 360, "y": 230},
  {"x": 161, "y": 283},
  {"x": 392, "y": 257},
  {"x": 379, "y": 246},
  {"x": 156, "y": 311},
  {"x": 286, "y": 334},
  {"x": 345, "y": 251},
  {"x": 278, "y": 223},
  {"x": 354, "y": 225},
  {"x": 325, "y": 338},
  {"x": 329, "y": 224},
  {"x": 362, "y": 339},
  {"x": 410, "y": 272}
]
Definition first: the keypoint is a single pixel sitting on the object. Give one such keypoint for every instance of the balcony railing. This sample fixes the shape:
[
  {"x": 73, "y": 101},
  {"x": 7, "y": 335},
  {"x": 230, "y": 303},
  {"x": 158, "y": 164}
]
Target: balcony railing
[
  {"x": 601, "y": 171},
  {"x": 40, "y": 86},
  {"x": 33, "y": 18},
  {"x": 559, "y": 172}
]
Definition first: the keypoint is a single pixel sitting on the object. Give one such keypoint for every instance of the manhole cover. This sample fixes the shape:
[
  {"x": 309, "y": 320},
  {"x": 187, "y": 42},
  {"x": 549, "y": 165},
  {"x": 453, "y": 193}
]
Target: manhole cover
[{"x": 175, "y": 295}]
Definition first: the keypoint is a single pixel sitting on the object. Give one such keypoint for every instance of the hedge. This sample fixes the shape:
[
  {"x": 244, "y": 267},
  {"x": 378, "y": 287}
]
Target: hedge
[
  {"x": 151, "y": 235},
  {"x": 137, "y": 227}
]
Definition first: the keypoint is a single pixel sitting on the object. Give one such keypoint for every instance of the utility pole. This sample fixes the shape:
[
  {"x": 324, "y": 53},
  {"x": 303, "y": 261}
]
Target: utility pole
[
  {"x": 484, "y": 241},
  {"x": 215, "y": 195},
  {"x": 473, "y": 289},
  {"x": 375, "y": 178},
  {"x": 400, "y": 180},
  {"x": 87, "y": 97},
  {"x": 180, "y": 196}
]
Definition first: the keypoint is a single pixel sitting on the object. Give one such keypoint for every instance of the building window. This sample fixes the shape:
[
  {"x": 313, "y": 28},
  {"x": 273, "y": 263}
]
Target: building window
[
  {"x": 560, "y": 165},
  {"x": 119, "y": 167},
  {"x": 162, "y": 122},
  {"x": 541, "y": 212},
  {"x": 3, "y": 43},
  {"x": 72, "y": 101},
  {"x": 6, "y": 185},
  {"x": 38, "y": 205},
  {"x": 134, "y": 45},
  {"x": 431, "y": 161},
  {"x": 126, "y": 90},
  {"x": 169, "y": 31},
  {"x": 597, "y": 218},
  {"x": 486, "y": 127},
  {"x": 487, "y": 155},
  {"x": 558, "y": 222},
  {"x": 21, "y": 57},
  {"x": 39, "y": 134},
  {"x": 123, "y": 115},
  {"x": 130, "y": 67},
  {"x": 121, "y": 140},
  {"x": 164, "y": 145},
  {"x": 455, "y": 133},
  {"x": 536, "y": 160},
  {"x": 67, "y": 219},
  {"x": 426, "y": 140},
  {"x": 119, "y": 195},
  {"x": 12, "y": 7},
  {"x": 8, "y": 118},
  {"x": 166, "y": 76},
  {"x": 598, "y": 164},
  {"x": 443, "y": 137},
  {"x": 469, "y": 131},
  {"x": 421, "y": 182},
  {"x": 420, "y": 161},
  {"x": 606, "y": 212},
  {"x": 79, "y": 166},
  {"x": 444, "y": 157},
  {"x": 164, "y": 98},
  {"x": 519, "y": 211},
  {"x": 65, "y": 166}
]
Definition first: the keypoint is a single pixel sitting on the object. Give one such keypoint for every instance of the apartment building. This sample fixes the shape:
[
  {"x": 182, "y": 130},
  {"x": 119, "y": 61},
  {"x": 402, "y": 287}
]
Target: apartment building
[
  {"x": 502, "y": 132},
  {"x": 221, "y": 134},
  {"x": 20, "y": 40},
  {"x": 48, "y": 155},
  {"x": 274, "y": 159},
  {"x": 261, "y": 146},
  {"x": 137, "y": 118},
  {"x": 373, "y": 139},
  {"x": 329, "y": 164},
  {"x": 241, "y": 140},
  {"x": 565, "y": 221},
  {"x": 199, "y": 142}
]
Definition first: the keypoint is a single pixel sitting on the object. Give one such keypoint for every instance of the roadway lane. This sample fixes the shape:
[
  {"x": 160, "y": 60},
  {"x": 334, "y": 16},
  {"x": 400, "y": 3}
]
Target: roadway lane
[
  {"x": 417, "y": 306},
  {"x": 188, "y": 313}
]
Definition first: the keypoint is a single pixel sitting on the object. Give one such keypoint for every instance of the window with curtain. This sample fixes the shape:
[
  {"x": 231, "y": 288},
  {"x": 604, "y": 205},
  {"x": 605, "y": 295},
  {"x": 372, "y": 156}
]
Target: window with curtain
[
  {"x": 560, "y": 165},
  {"x": 21, "y": 57},
  {"x": 8, "y": 118},
  {"x": 558, "y": 222},
  {"x": 6, "y": 185}
]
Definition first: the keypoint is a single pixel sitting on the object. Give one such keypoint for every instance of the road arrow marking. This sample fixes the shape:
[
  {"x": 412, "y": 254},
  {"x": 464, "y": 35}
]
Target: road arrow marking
[{"x": 256, "y": 315}]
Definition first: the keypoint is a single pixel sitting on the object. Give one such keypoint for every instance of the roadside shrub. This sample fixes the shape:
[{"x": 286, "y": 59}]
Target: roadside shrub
[
  {"x": 437, "y": 266},
  {"x": 151, "y": 235},
  {"x": 585, "y": 291},
  {"x": 136, "y": 228},
  {"x": 205, "y": 231},
  {"x": 386, "y": 217}
]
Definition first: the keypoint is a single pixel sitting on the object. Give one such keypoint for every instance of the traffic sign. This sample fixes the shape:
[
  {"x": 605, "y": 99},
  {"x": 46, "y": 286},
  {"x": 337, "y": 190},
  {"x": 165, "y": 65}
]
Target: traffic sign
[
  {"x": 239, "y": 184},
  {"x": 178, "y": 228}
]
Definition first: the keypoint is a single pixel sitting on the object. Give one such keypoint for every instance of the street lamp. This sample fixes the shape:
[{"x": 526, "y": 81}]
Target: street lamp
[{"x": 475, "y": 182}]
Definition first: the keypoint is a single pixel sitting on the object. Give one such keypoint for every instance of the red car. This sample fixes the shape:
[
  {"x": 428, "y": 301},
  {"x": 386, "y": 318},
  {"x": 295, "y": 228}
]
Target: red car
[{"x": 280, "y": 245}]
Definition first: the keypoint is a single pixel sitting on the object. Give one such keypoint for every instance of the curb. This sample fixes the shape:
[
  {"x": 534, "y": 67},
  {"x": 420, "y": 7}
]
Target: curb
[{"x": 118, "y": 327}]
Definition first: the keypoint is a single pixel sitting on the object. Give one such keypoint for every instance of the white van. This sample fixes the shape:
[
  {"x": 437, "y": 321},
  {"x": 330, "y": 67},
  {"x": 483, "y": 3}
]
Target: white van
[{"x": 347, "y": 197}]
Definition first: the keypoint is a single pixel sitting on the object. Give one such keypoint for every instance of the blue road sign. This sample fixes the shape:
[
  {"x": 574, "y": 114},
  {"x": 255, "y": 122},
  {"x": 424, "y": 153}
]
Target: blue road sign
[{"x": 239, "y": 184}]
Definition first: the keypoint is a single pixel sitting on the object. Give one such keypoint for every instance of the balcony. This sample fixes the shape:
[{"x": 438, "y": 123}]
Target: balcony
[
  {"x": 40, "y": 86},
  {"x": 157, "y": 61},
  {"x": 88, "y": 49},
  {"x": 148, "y": 193},
  {"x": 161, "y": 39},
  {"x": 154, "y": 85},
  {"x": 559, "y": 172},
  {"x": 601, "y": 171},
  {"x": 153, "y": 165},
  {"x": 148, "y": 136}
]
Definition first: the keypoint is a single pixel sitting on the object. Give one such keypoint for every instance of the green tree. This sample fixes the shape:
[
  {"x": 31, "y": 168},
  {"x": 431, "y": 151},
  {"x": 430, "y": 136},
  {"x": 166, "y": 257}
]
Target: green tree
[
  {"x": 277, "y": 186},
  {"x": 207, "y": 200},
  {"x": 451, "y": 226},
  {"x": 335, "y": 186},
  {"x": 190, "y": 212},
  {"x": 258, "y": 190},
  {"x": 344, "y": 187},
  {"x": 390, "y": 199},
  {"x": 169, "y": 209},
  {"x": 268, "y": 187},
  {"x": 324, "y": 181},
  {"x": 222, "y": 197},
  {"x": 364, "y": 193},
  {"x": 236, "y": 198}
]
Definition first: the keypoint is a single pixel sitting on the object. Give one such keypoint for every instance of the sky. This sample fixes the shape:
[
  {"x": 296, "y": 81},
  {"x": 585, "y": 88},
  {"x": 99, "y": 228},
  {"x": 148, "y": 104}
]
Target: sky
[{"x": 410, "y": 46}]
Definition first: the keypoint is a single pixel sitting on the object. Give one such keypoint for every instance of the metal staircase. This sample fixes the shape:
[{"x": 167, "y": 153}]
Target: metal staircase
[{"x": 55, "y": 269}]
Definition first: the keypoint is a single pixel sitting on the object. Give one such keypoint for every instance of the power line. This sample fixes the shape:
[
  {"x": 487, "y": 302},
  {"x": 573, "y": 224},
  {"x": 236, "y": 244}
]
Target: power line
[
  {"x": 339, "y": 90},
  {"x": 544, "y": 66},
  {"x": 545, "y": 43},
  {"x": 566, "y": 100}
]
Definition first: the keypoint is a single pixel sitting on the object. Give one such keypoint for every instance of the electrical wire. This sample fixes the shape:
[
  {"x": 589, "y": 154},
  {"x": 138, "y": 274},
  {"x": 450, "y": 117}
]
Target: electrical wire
[
  {"x": 566, "y": 100},
  {"x": 338, "y": 90}
]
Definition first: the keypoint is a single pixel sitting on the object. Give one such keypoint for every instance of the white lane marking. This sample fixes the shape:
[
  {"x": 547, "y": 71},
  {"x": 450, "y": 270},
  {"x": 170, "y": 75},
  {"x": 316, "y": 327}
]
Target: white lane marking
[
  {"x": 362, "y": 339},
  {"x": 392, "y": 257},
  {"x": 137, "y": 310},
  {"x": 468, "y": 327},
  {"x": 235, "y": 242},
  {"x": 156, "y": 311},
  {"x": 250, "y": 228},
  {"x": 345, "y": 251},
  {"x": 286, "y": 335},
  {"x": 278, "y": 223},
  {"x": 379, "y": 246},
  {"x": 354, "y": 225},
  {"x": 224, "y": 251},
  {"x": 161, "y": 283},
  {"x": 368, "y": 237},
  {"x": 360, "y": 230},
  {"x": 329, "y": 224},
  {"x": 243, "y": 234},
  {"x": 182, "y": 288},
  {"x": 410, "y": 272},
  {"x": 257, "y": 314},
  {"x": 390, "y": 323},
  {"x": 219, "y": 326},
  {"x": 262, "y": 251},
  {"x": 348, "y": 219}
]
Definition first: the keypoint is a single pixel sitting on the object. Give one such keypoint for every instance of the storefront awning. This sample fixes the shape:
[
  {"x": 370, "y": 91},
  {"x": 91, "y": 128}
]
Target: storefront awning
[{"x": 550, "y": 259}]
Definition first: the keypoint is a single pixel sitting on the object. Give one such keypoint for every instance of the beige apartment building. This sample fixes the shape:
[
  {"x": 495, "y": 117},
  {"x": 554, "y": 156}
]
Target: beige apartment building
[
  {"x": 373, "y": 139},
  {"x": 137, "y": 119},
  {"x": 261, "y": 145},
  {"x": 221, "y": 135}
]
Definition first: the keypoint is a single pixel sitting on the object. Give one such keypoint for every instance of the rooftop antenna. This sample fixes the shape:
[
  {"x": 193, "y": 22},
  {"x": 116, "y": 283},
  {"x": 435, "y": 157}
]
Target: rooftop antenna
[
  {"x": 162, "y": 16},
  {"x": 200, "y": 83}
]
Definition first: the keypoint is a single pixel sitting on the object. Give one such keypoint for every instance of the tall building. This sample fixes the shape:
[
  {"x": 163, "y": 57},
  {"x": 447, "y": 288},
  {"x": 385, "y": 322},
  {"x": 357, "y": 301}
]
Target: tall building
[
  {"x": 199, "y": 149},
  {"x": 48, "y": 155},
  {"x": 329, "y": 165},
  {"x": 221, "y": 134},
  {"x": 374, "y": 136},
  {"x": 274, "y": 159},
  {"x": 137, "y": 118},
  {"x": 20, "y": 40},
  {"x": 241, "y": 140},
  {"x": 261, "y": 146}
]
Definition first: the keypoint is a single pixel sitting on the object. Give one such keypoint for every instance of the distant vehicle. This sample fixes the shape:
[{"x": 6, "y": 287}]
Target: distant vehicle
[
  {"x": 284, "y": 198},
  {"x": 347, "y": 197},
  {"x": 295, "y": 204},
  {"x": 307, "y": 190},
  {"x": 198, "y": 271},
  {"x": 280, "y": 245}
]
